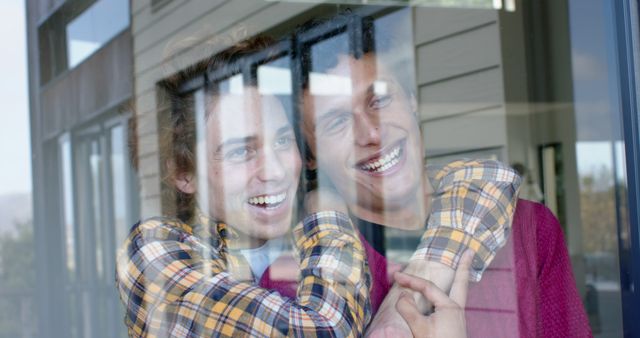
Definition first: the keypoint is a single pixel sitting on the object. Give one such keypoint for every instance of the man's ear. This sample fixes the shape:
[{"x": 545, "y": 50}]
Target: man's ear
[
  {"x": 310, "y": 163},
  {"x": 185, "y": 183}
]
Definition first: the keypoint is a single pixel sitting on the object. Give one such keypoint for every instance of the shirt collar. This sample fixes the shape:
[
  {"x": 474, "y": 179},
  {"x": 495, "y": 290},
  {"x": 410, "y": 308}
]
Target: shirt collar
[{"x": 219, "y": 233}]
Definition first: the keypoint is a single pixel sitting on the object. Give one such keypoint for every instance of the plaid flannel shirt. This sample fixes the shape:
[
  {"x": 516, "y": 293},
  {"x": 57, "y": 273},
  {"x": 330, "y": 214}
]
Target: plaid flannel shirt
[
  {"x": 174, "y": 281},
  {"x": 472, "y": 207}
]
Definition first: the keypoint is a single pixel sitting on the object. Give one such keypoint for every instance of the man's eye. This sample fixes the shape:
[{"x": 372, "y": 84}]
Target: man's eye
[
  {"x": 380, "y": 101},
  {"x": 284, "y": 141},
  {"x": 337, "y": 124},
  {"x": 239, "y": 154}
]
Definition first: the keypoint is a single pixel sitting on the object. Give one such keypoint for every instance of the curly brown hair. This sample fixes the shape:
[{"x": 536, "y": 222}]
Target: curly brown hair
[{"x": 177, "y": 141}]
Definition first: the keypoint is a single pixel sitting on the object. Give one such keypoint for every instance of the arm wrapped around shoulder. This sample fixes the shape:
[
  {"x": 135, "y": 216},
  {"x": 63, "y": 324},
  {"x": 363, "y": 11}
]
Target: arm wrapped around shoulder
[
  {"x": 472, "y": 207},
  {"x": 175, "y": 284}
]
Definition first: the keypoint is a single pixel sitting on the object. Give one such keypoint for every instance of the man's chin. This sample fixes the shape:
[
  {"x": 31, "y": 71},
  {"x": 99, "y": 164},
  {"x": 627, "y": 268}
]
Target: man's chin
[
  {"x": 391, "y": 209},
  {"x": 270, "y": 231}
]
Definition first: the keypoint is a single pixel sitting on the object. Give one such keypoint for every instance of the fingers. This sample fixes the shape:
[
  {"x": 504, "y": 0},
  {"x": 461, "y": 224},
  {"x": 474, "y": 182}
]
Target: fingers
[
  {"x": 407, "y": 308},
  {"x": 460, "y": 284},
  {"x": 431, "y": 292},
  {"x": 392, "y": 268}
]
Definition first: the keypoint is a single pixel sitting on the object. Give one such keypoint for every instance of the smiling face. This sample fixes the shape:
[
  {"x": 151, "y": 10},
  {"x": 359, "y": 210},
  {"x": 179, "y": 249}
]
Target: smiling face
[
  {"x": 254, "y": 164},
  {"x": 365, "y": 136}
]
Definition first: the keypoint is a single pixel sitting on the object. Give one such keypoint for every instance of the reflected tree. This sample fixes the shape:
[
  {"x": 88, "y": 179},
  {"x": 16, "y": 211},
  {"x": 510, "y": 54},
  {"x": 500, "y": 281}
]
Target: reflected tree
[{"x": 17, "y": 282}]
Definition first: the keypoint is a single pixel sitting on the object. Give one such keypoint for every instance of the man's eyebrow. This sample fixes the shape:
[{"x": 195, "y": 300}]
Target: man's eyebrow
[
  {"x": 236, "y": 140},
  {"x": 284, "y": 129},
  {"x": 370, "y": 91},
  {"x": 329, "y": 113}
]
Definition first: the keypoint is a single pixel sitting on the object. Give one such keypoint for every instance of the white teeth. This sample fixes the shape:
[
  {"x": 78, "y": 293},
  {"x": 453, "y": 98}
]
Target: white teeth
[
  {"x": 384, "y": 163},
  {"x": 267, "y": 199}
]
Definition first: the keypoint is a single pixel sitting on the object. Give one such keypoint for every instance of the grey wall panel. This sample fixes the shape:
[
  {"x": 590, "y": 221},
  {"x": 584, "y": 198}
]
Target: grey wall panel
[
  {"x": 218, "y": 29},
  {"x": 435, "y": 23},
  {"x": 148, "y": 165},
  {"x": 146, "y": 100},
  {"x": 178, "y": 33},
  {"x": 148, "y": 144},
  {"x": 147, "y": 123},
  {"x": 100, "y": 83},
  {"x": 137, "y": 6},
  {"x": 152, "y": 27},
  {"x": 459, "y": 54},
  {"x": 460, "y": 79},
  {"x": 462, "y": 94},
  {"x": 483, "y": 129}
]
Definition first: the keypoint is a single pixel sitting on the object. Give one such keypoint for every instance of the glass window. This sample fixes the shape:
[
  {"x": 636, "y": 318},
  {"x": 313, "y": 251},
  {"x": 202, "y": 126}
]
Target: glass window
[
  {"x": 385, "y": 92},
  {"x": 119, "y": 183},
  {"x": 95, "y": 27},
  {"x": 450, "y": 67},
  {"x": 69, "y": 218},
  {"x": 432, "y": 126}
]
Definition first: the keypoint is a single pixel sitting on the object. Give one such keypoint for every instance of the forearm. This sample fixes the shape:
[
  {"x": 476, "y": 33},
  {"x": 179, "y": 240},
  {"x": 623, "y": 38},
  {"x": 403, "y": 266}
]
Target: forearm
[
  {"x": 334, "y": 276},
  {"x": 472, "y": 208},
  {"x": 167, "y": 284}
]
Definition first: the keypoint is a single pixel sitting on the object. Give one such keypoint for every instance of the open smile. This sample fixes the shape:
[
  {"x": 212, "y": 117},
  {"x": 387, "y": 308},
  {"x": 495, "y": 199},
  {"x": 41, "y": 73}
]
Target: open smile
[
  {"x": 385, "y": 161},
  {"x": 268, "y": 201}
]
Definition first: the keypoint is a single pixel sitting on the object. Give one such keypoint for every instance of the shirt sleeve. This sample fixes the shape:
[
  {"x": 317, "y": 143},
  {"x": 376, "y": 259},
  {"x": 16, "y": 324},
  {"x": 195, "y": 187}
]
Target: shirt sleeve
[
  {"x": 169, "y": 288},
  {"x": 472, "y": 208}
]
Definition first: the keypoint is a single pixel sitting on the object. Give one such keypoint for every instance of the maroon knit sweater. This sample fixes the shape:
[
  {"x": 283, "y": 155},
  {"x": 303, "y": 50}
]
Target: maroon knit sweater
[{"x": 527, "y": 291}]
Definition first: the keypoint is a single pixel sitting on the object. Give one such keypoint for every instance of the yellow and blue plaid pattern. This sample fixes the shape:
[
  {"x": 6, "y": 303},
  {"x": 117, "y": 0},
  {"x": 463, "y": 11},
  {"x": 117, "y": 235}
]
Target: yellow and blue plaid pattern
[
  {"x": 174, "y": 281},
  {"x": 472, "y": 207}
]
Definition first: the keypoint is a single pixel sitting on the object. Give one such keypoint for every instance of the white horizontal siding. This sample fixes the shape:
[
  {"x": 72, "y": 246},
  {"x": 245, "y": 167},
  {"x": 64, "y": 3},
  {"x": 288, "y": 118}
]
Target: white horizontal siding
[{"x": 473, "y": 92}]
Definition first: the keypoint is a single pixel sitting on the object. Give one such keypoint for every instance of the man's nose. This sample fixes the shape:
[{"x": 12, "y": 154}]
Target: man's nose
[
  {"x": 366, "y": 130},
  {"x": 272, "y": 169}
]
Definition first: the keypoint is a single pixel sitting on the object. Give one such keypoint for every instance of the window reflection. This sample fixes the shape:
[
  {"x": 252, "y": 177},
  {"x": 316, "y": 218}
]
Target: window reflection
[
  {"x": 95, "y": 27},
  {"x": 532, "y": 85},
  {"x": 69, "y": 219},
  {"x": 119, "y": 183},
  {"x": 274, "y": 78}
]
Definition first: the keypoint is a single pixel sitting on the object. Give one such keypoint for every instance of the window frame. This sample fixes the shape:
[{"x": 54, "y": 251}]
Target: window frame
[{"x": 625, "y": 23}]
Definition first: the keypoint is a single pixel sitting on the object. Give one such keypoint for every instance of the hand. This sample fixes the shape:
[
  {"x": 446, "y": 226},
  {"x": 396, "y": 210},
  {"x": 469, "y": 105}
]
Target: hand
[
  {"x": 447, "y": 319},
  {"x": 439, "y": 274},
  {"x": 324, "y": 199},
  {"x": 388, "y": 323}
]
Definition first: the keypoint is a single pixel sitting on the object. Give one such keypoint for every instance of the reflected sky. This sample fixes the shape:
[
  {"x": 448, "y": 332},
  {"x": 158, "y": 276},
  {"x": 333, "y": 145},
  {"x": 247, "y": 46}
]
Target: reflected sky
[
  {"x": 595, "y": 156},
  {"x": 94, "y": 27},
  {"x": 15, "y": 176}
]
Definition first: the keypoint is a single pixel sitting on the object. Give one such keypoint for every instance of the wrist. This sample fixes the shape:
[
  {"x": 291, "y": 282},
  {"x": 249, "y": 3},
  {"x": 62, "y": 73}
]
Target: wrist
[{"x": 438, "y": 273}]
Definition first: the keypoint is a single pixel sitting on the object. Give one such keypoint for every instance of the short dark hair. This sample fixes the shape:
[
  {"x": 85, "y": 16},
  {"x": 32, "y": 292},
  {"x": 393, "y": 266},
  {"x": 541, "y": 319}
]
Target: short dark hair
[
  {"x": 369, "y": 41},
  {"x": 322, "y": 60}
]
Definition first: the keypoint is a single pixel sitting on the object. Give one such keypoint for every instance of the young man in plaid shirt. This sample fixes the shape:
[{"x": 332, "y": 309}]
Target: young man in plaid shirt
[{"x": 199, "y": 274}]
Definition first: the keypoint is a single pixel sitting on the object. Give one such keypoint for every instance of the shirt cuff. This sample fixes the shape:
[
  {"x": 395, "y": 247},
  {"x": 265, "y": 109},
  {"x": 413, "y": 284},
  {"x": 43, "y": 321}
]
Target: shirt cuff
[
  {"x": 447, "y": 245},
  {"x": 322, "y": 221},
  {"x": 330, "y": 247}
]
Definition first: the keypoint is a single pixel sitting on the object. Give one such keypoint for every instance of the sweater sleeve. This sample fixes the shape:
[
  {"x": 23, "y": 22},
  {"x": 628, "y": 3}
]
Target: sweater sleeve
[{"x": 561, "y": 312}]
